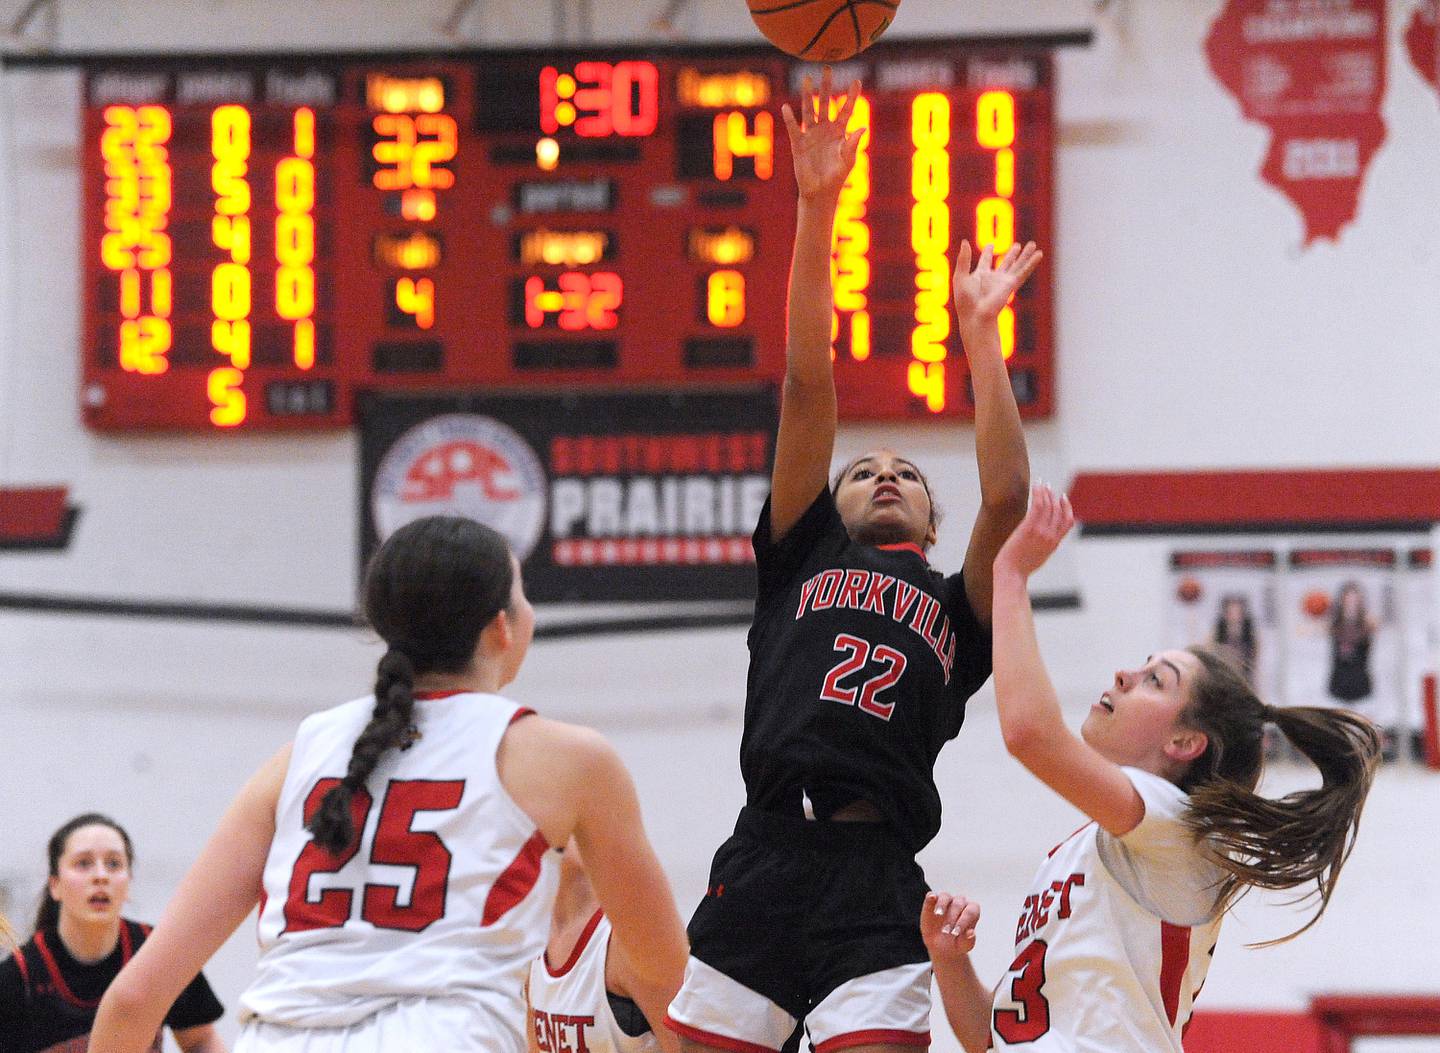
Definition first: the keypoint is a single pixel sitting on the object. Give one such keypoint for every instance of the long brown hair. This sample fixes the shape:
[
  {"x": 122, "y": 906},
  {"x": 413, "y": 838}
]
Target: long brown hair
[
  {"x": 1274, "y": 843},
  {"x": 430, "y": 590}
]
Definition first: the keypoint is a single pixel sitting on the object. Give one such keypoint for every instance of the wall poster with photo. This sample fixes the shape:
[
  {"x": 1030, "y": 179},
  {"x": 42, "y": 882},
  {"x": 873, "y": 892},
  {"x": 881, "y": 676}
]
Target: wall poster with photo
[
  {"x": 1344, "y": 644},
  {"x": 1226, "y": 598},
  {"x": 1422, "y": 640}
]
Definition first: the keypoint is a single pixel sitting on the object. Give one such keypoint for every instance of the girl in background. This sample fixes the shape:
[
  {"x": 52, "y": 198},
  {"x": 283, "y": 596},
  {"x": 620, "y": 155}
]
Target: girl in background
[
  {"x": 1352, "y": 628},
  {"x": 1121, "y": 921},
  {"x": 50, "y": 987},
  {"x": 399, "y": 848},
  {"x": 1235, "y": 632}
]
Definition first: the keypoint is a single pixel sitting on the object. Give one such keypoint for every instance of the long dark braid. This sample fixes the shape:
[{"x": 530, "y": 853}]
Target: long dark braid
[
  {"x": 430, "y": 590},
  {"x": 1300, "y": 839}
]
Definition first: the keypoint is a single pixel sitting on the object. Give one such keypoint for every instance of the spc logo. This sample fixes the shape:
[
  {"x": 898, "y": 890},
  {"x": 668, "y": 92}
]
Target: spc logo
[{"x": 462, "y": 465}]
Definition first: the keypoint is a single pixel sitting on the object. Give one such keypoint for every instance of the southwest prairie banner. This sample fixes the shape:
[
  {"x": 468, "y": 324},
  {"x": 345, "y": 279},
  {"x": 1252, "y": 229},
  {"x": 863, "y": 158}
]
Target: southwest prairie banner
[{"x": 615, "y": 497}]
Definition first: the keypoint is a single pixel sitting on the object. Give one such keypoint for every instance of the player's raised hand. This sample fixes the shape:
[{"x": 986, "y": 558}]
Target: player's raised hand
[
  {"x": 1047, "y": 521},
  {"x": 823, "y": 151},
  {"x": 947, "y": 925},
  {"x": 982, "y": 293}
]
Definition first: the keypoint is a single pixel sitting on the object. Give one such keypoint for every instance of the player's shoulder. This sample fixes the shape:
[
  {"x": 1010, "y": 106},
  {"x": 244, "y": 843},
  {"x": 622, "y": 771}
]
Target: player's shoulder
[
  {"x": 357, "y": 710},
  {"x": 531, "y": 734}
]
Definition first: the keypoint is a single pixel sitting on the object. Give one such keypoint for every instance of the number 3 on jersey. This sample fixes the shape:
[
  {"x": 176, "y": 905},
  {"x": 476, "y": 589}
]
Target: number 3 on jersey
[
  {"x": 395, "y": 844},
  {"x": 857, "y": 653},
  {"x": 1032, "y": 1021}
]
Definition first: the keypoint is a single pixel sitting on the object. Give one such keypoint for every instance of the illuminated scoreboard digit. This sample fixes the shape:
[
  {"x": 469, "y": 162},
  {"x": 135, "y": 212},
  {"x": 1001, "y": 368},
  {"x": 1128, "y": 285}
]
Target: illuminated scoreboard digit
[{"x": 268, "y": 238}]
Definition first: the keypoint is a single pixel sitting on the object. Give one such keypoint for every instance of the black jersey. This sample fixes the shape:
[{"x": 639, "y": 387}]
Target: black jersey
[
  {"x": 861, "y": 660},
  {"x": 48, "y": 999}
]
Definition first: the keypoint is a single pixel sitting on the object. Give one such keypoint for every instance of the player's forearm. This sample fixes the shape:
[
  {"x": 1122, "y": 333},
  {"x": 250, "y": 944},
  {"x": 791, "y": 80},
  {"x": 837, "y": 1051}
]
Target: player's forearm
[
  {"x": 1030, "y": 716},
  {"x": 1000, "y": 453},
  {"x": 810, "y": 301},
  {"x": 967, "y": 1003},
  {"x": 128, "y": 1019}
]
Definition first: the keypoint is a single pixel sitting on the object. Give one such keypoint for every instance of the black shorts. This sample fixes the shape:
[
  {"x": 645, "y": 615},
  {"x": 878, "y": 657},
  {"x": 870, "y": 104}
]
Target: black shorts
[{"x": 796, "y": 908}]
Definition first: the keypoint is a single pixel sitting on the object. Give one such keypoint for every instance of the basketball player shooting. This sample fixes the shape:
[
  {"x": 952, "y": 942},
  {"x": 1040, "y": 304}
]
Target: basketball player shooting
[{"x": 862, "y": 658}]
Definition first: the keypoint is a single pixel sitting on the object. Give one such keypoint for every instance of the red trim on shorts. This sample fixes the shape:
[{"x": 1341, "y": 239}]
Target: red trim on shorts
[
  {"x": 709, "y": 1038},
  {"x": 865, "y": 1038},
  {"x": 905, "y": 546},
  {"x": 1174, "y": 957},
  {"x": 515, "y": 883},
  {"x": 578, "y": 949}
]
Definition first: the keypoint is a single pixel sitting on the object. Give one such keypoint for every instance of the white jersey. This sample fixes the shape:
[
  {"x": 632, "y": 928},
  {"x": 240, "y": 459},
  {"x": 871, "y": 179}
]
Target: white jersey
[
  {"x": 446, "y": 894},
  {"x": 1114, "y": 939},
  {"x": 570, "y": 1003}
]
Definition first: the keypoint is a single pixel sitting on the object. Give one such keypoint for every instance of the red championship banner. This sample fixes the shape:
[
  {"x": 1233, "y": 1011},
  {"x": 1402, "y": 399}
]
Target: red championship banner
[
  {"x": 1422, "y": 41},
  {"x": 1314, "y": 74}
]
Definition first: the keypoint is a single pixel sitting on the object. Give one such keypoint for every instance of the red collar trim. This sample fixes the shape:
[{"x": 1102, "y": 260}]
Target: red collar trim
[
  {"x": 431, "y": 696},
  {"x": 904, "y": 546},
  {"x": 53, "y": 967},
  {"x": 578, "y": 949}
]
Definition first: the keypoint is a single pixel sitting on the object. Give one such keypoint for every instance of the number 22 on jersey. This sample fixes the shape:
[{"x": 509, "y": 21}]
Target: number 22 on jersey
[
  {"x": 857, "y": 653},
  {"x": 394, "y": 844}
]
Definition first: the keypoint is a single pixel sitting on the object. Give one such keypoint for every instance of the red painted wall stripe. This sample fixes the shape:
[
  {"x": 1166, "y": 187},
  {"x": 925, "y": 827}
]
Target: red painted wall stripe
[
  {"x": 1159, "y": 499},
  {"x": 32, "y": 514}
]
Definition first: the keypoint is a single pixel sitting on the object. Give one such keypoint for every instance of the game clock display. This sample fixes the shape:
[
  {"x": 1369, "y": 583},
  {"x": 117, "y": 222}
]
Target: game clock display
[{"x": 267, "y": 236}]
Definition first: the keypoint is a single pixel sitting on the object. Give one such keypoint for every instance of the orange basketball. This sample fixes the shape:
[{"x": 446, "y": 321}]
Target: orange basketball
[
  {"x": 1316, "y": 603},
  {"x": 822, "y": 30},
  {"x": 1189, "y": 590}
]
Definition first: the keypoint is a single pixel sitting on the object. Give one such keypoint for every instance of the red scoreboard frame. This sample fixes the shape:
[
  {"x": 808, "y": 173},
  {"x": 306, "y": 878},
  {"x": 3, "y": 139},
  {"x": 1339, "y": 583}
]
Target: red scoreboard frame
[{"x": 267, "y": 236}]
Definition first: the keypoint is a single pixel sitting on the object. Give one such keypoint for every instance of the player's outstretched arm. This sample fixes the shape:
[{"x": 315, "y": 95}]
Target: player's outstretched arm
[
  {"x": 947, "y": 924},
  {"x": 573, "y": 783},
  {"x": 1030, "y": 716},
  {"x": 823, "y": 153},
  {"x": 221, "y": 888},
  {"x": 1004, "y": 465}
]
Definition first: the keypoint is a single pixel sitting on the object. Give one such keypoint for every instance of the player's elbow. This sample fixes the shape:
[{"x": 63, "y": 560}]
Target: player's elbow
[
  {"x": 1025, "y": 739},
  {"x": 125, "y": 1000},
  {"x": 1006, "y": 493},
  {"x": 806, "y": 383}
]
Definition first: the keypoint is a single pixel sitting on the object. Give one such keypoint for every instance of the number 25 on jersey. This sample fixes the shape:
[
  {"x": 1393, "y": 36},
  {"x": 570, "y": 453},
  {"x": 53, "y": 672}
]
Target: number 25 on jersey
[{"x": 395, "y": 844}]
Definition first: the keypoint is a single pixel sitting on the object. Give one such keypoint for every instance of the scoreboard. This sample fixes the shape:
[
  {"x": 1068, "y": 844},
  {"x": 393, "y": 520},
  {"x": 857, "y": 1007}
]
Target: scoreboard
[{"x": 267, "y": 237}]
